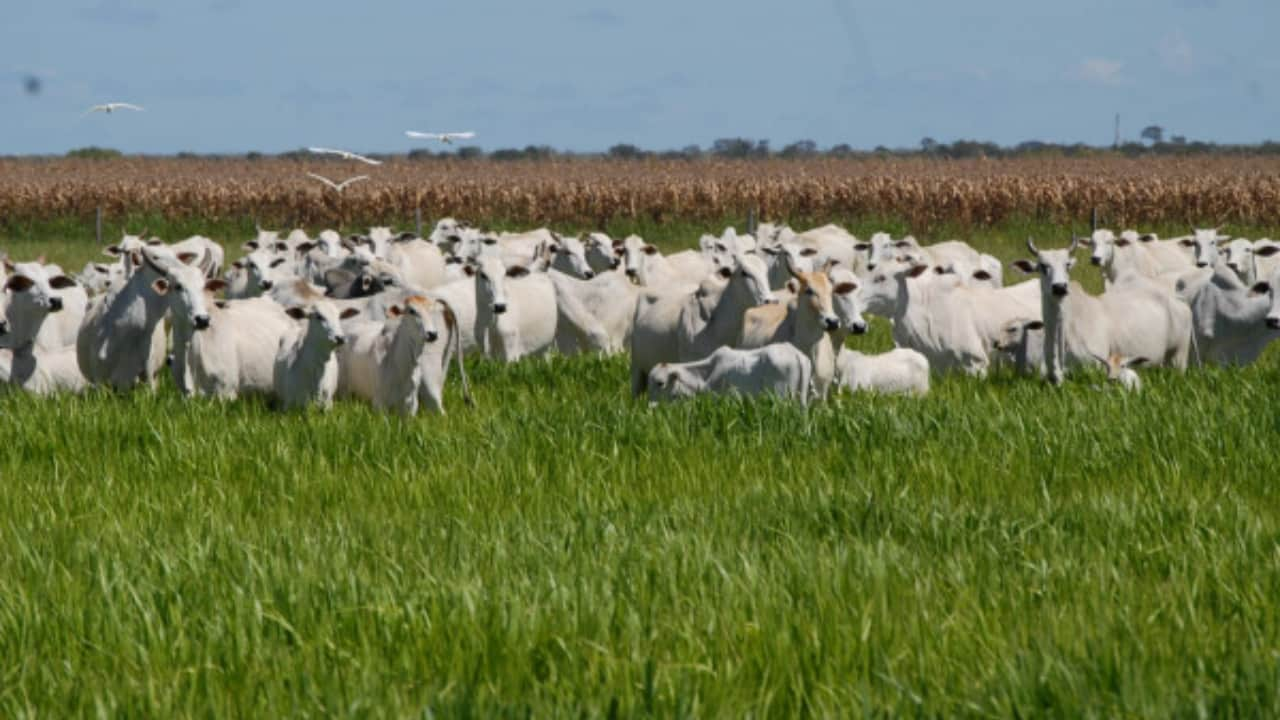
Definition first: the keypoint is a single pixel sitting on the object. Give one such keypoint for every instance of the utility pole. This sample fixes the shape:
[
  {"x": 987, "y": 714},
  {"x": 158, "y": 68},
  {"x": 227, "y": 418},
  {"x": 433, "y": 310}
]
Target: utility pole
[{"x": 1116, "y": 144}]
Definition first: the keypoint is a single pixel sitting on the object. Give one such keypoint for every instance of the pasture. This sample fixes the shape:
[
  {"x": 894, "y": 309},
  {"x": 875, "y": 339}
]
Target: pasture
[{"x": 997, "y": 547}]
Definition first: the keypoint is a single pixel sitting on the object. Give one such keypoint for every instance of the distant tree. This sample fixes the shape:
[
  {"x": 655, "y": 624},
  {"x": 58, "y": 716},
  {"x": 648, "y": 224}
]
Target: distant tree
[
  {"x": 93, "y": 153},
  {"x": 1178, "y": 140},
  {"x": 1154, "y": 133},
  {"x": 253, "y": 155},
  {"x": 691, "y": 151},
  {"x": 504, "y": 154},
  {"x": 470, "y": 152},
  {"x": 841, "y": 150},
  {"x": 420, "y": 154},
  {"x": 732, "y": 147},
  {"x": 929, "y": 145},
  {"x": 626, "y": 151},
  {"x": 800, "y": 148}
]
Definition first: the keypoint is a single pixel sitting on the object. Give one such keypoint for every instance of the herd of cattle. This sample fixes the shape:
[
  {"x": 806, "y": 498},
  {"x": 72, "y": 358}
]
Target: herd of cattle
[{"x": 382, "y": 316}]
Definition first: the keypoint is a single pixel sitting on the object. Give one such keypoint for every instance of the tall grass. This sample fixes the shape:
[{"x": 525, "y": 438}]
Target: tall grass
[{"x": 997, "y": 548}]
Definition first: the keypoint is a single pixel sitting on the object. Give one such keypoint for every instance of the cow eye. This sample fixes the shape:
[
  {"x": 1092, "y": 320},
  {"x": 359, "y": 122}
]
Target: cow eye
[{"x": 1044, "y": 268}]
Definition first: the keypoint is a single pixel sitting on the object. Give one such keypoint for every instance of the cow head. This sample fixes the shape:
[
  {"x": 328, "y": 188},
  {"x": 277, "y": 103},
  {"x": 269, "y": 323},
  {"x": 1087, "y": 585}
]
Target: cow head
[
  {"x": 748, "y": 279},
  {"x": 417, "y": 320},
  {"x": 1267, "y": 288},
  {"x": 324, "y": 322},
  {"x": 32, "y": 293},
  {"x": 1054, "y": 268},
  {"x": 672, "y": 382},
  {"x": 569, "y": 256},
  {"x": 491, "y": 282},
  {"x": 1204, "y": 246},
  {"x": 847, "y": 299},
  {"x": 1104, "y": 243}
]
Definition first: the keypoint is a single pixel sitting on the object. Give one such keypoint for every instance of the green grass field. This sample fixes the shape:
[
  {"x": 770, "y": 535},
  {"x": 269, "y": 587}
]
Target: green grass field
[{"x": 997, "y": 548}]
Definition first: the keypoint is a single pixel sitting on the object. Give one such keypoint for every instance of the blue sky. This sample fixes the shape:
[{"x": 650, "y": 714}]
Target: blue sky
[{"x": 274, "y": 75}]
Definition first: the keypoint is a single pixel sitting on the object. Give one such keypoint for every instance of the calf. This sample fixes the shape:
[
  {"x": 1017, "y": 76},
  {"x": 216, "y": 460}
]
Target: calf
[
  {"x": 778, "y": 369},
  {"x": 306, "y": 369},
  {"x": 1233, "y": 323},
  {"x": 398, "y": 364},
  {"x": 680, "y": 324},
  {"x": 901, "y": 371}
]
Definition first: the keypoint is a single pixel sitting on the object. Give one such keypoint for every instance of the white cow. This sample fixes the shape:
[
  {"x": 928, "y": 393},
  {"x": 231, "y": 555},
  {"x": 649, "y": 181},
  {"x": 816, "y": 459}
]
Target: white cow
[
  {"x": 953, "y": 325},
  {"x": 98, "y": 278},
  {"x": 569, "y": 256},
  {"x": 778, "y": 369},
  {"x": 1233, "y": 322},
  {"x": 306, "y": 368},
  {"x": 1205, "y": 246},
  {"x": 419, "y": 263},
  {"x": 402, "y": 362},
  {"x": 1131, "y": 320},
  {"x": 782, "y": 258},
  {"x": 1022, "y": 341},
  {"x": 232, "y": 351},
  {"x": 900, "y": 371},
  {"x": 1251, "y": 260},
  {"x": 1134, "y": 254},
  {"x": 598, "y": 312},
  {"x": 42, "y": 305},
  {"x": 34, "y": 300},
  {"x": 678, "y": 324},
  {"x": 516, "y": 312},
  {"x": 646, "y": 265},
  {"x": 122, "y": 342}
]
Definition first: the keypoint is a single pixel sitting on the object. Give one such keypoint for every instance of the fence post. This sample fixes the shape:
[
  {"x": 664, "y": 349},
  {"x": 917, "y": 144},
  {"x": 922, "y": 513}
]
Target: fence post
[
  {"x": 1093, "y": 221},
  {"x": 97, "y": 225},
  {"x": 417, "y": 216},
  {"x": 751, "y": 221}
]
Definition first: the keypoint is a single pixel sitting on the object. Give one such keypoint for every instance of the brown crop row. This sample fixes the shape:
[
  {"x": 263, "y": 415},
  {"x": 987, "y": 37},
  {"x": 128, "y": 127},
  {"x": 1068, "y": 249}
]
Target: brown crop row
[{"x": 592, "y": 192}]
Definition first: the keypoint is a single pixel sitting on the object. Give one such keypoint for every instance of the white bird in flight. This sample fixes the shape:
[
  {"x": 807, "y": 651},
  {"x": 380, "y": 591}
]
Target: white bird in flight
[
  {"x": 112, "y": 107},
  {"x": 339, "y": 187},
  {"x": 344, "y": 154},
  {"x": 446, "y": 138}
]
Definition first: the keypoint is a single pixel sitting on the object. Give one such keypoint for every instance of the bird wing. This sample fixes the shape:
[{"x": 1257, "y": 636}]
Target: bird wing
[
  {"x": 129, "y": 106},
  {"x": 462, "y": 135},
  {"x": 350, "y": 181},
  {"x": 421, "y": 135},
  {"x": 324, "y": 180},
  {"x": 363, "y": 159}
]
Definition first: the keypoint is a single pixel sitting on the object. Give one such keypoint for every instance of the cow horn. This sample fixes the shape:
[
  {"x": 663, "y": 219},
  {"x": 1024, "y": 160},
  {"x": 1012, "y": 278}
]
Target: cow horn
[
  {"x": 1032, "y": 246},
  {"x": 1075, "y": 242}
]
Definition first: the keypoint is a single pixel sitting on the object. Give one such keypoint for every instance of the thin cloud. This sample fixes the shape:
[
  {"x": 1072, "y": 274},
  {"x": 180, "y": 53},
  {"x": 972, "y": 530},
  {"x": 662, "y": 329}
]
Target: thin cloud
[{"x": 1100, "y": 71}]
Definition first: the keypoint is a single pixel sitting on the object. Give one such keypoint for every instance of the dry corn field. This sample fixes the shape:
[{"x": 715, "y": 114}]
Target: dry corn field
[{"x": 592, "y": 192}]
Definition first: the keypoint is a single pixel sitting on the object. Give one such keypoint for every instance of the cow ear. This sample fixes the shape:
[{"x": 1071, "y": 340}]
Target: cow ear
[
  {"x": 1025, "y": 266},
  {"x": 18, "y": 283},
  {"x": 277, "y": 262},
  {"x": 187, "y": 258},
  {"x": 1122, "y": 242},
  {"x": 981, "y": 275},
  {"x": 1135, "y": 362},
  {"x": 239, "y": 264},
  {"x": 394, "y": 311},
  {"x": 845, "y": 288},
  {"x": 282, "y": 247},
  {"x": 110, "y": 250},
  {"x": 793, "y": 285},
  {"x": 348, "y": 314},
  {"x": 917, "y": 271},
  {"x": 517, "y": 271},
  {"x": 1187, "y": 242},
  {"x": 1261, "y": 288},
  {"x": 650, "y": 250},
  {"x": 1035, "y": 325},
  {"x": 862, "y": 246},
  {"x": 1267, "y": 251},
  {"x": 250, "y": 246},
  {"x": 306, "y": 247},
  {"x": 101, "y": 268},
  {"x": 808, "y": 252},
  {"x": 215, "y": 285},
  {"x": 155, "y": 242},
  {"x": 161, "y": 286},
  {"x": 61, "y": 282},
  {"x": 296, "y": 313},
  {"x": 619, "y": 250},
  {"x": 1085, "y": 240},
  {"x": 136, "y": 257}
]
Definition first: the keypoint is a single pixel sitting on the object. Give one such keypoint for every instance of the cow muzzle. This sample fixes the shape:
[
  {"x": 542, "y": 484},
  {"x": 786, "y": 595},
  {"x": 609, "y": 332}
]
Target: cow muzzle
[
  {"x": 1060, "y": 289},
  {"x": 4, "y": 327},
  {"x": 201, "y": 322},
  {"x": 499, "y": 308},
  {"x": 832, "y": 324},
  {"x": 588, "y": 274},
  {"x": 266, "y": 284},
  {"x": 432, "y": 336},
  {"x": 338, "y": 340},
  {"x": 1273, "y": 323},
  {"x": 1095, "y": 260},
  {"x": 55, "y": 304},
  {"x": 858, "y": 328}
]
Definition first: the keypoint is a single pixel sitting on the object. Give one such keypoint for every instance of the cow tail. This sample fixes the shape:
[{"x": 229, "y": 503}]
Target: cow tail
[{"x": 455, "y": 333}]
